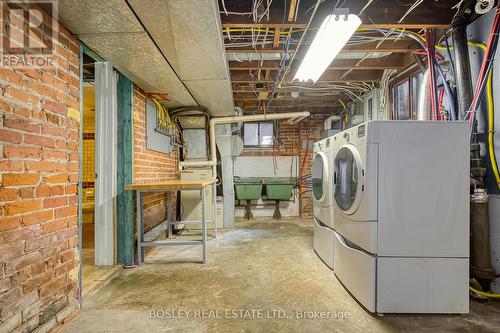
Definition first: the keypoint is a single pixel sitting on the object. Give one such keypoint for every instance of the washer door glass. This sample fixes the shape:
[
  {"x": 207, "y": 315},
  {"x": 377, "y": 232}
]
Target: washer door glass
[
  {"x": 317, "y": 175},
  {"x": 345, "y": 178}
]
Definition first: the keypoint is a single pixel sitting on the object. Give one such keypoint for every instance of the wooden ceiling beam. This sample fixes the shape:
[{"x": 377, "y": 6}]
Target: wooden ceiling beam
[
  {"x": 276, "y": 40},
  {"x": 385, "y": 25},
  {"x": 402, "y": 46},
  {"x": 330, "y": 76},
  {"x": 247, "y": 89}
]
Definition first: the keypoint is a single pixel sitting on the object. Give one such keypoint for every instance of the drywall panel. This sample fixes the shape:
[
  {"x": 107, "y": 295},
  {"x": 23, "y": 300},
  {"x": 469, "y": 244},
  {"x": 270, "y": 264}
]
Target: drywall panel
[
  {"x": 135, "y": 55},
  {"x": 265, "y": 166}
]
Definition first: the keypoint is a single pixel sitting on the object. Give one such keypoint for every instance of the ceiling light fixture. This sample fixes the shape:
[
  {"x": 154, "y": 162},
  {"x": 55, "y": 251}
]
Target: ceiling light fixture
[{"x": 333, "y": 34}]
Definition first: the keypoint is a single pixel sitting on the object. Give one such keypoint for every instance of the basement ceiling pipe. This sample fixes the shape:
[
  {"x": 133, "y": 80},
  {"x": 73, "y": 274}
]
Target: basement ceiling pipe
[
  {"x": 462, "y": 65},
  {"x": 424, "y": 107},
  {"x": 237, "y": 119}
]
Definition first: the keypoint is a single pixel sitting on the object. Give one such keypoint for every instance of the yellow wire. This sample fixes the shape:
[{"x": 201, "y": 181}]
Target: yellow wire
[
  {"x": 482, "y": 293},
  {"x": 164, "y": 110},
  {"x": 491, "y": 119},
  {"x": 342, "y": 103}
]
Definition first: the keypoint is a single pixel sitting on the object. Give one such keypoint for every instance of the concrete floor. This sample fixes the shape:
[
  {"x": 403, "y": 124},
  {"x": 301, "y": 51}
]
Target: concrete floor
[{"x": 261, "y": 265}]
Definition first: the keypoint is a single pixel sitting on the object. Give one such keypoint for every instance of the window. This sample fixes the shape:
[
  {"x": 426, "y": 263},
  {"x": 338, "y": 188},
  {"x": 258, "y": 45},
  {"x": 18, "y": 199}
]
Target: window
[
  {"x": 400, "y": 93},
  {"x": 258, "y": 135},
  {"x": 405, "y": 96}
]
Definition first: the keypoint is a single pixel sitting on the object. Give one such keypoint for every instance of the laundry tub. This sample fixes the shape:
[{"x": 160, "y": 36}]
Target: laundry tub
[
  {"x": 279, "y": 188},
  {"x": 248, "y": 189}
]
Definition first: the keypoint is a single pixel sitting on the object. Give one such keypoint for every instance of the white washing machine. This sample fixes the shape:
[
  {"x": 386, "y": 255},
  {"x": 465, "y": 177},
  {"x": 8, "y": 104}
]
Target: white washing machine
[
  {"x": 401, "y": 210},
  {"x": 323, "y": 201}
]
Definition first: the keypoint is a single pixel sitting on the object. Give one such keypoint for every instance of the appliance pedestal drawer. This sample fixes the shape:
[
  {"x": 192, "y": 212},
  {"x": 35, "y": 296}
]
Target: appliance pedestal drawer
[
  {"x": 357, "y": 272},
  {"x": 323, "y": 243}
]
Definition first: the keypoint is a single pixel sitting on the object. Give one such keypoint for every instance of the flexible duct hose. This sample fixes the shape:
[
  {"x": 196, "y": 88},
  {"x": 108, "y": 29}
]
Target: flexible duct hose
[{"x": 423, "y": 110}]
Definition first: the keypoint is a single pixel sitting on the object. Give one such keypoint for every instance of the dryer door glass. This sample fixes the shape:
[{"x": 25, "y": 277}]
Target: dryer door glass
[
  {"x": 317, "y": 174},
  {"x": 345, "y": 178}
]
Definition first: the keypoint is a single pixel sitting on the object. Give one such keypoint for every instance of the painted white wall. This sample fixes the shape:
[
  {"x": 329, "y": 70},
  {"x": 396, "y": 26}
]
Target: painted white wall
[{"x": 263, "y": 166}]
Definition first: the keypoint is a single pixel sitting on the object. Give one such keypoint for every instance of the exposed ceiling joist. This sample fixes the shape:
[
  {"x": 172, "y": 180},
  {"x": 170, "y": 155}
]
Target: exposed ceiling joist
[
  {"x": 402, "y": 46},
  {"x": 285, "y": 26},
  {"x": 395, "y": 61},
  {"x": 330, "y": 76}
]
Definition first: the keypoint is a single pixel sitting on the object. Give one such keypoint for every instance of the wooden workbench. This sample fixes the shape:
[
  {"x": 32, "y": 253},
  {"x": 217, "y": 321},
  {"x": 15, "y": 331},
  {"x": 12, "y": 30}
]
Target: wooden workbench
[{"x": 169, "y": 187}]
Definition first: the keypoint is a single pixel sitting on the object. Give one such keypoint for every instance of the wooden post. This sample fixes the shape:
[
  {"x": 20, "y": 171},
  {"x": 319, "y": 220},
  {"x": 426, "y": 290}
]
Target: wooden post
[{"x": 125, "y": 199}]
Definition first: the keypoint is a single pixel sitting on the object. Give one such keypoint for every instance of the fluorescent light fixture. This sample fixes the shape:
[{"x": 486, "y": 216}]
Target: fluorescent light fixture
[{"x": 331, "y": 37}]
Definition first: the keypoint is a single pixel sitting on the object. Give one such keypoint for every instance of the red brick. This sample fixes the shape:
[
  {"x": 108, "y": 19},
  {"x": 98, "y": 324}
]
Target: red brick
[
  {"x": 65, "y": 211},
  {"x": 20, "y": 95},
  {"x": 55, "y": 202},
  {"x": 39, "y": 140},
  {"x": 10, "y": 136},
  {"x": 21, "y": 152},
  {"x": 37, "y": 281},
  {"x": 8, "y": 194},
  {"x": 71, "y": 189},
  {"x": 54, "y": 154},
  {"x": 56, "y": 179},
  {"x": 54, "y": 226},
  {"x": 22, "y": 124},
  {"x": 7, "y": 223},
  {"x": 67, "y": 233},
  {"x": 40, "y": 166},
  {"x": 9, "y": 165},
  {"x": 55, "y": 284},
  {"x": 55, "y": 107},
  {"x": 54, "y": 131},
  {"x": 16, "y": 179},
  {"x": 26, "y": 192},
  {"x": 9, "y": 75},
  {"x": 20, "y": 207},
  {"x": 38, "y": 217},
  {"x": 40, "y": 242},
  {"x": 23, "y": 261},
  {"x": 73, "y": 242}
]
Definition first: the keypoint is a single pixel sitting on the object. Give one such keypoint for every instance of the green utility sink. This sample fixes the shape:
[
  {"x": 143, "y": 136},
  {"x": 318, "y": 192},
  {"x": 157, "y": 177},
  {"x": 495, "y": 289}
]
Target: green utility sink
[
  {"x": 248, "y": 191},
  {"x": 280, "y": 192}
]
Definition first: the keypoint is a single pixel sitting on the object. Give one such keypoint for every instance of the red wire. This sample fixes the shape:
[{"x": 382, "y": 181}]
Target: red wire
[{"x": 429, "y": 39}]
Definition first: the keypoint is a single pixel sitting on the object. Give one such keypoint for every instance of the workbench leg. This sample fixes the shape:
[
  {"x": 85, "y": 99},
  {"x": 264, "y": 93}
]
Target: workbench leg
[
  {"x": 169, "y": 214},
  {"x": 140, "y": 254},
  {"x": 204, "y": 224},
  {"x": 214, "y": 202}
]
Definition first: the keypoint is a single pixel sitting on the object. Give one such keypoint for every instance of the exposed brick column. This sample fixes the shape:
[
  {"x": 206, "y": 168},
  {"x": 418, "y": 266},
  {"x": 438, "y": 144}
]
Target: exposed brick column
[{"x": 39, "y": 123}]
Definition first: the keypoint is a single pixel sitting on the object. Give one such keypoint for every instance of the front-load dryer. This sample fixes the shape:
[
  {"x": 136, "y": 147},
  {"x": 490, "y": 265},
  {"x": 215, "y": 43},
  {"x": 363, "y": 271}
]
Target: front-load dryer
[
  {"x": 322, "y": 201},
  {"x": 401, "y": 208}
]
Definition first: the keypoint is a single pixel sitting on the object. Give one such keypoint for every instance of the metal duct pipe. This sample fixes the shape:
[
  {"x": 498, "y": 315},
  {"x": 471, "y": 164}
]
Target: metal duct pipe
[
  {"x": 423, "y": 111},
  {"x": 237, "y": 119},
  {"x": 462, "y": 65}
]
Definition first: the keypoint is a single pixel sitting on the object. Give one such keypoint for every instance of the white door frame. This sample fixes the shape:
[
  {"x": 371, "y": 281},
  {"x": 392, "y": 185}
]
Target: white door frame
[{"x": 105, "y": 163}]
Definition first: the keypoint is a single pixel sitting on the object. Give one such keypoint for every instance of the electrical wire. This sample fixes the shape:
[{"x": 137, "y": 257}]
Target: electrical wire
[{"x": 483, "y": 293}]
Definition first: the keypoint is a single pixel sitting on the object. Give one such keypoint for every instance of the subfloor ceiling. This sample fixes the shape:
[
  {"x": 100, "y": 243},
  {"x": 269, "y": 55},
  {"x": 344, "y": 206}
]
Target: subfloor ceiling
[{"x": 169, "y": 47}]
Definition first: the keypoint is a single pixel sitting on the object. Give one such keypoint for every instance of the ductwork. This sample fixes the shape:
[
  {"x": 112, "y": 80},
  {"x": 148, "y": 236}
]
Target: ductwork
[
  {"x": 424, "y": 105},
  {"x": 462, "y": 65},
  {"x": 297, "y": 116}
]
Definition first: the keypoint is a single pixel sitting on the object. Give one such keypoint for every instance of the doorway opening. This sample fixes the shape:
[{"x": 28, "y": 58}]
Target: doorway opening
[{"x": 94, "y": 273}]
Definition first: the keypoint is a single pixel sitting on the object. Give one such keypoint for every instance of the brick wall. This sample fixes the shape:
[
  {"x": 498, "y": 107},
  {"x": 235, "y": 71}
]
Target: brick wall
[
  {"x": 151, "y": 166},
  {"x": 38, "y": 191},
  {"x": 309, "y": 131},
  {"x": 294, "y": 138}
]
